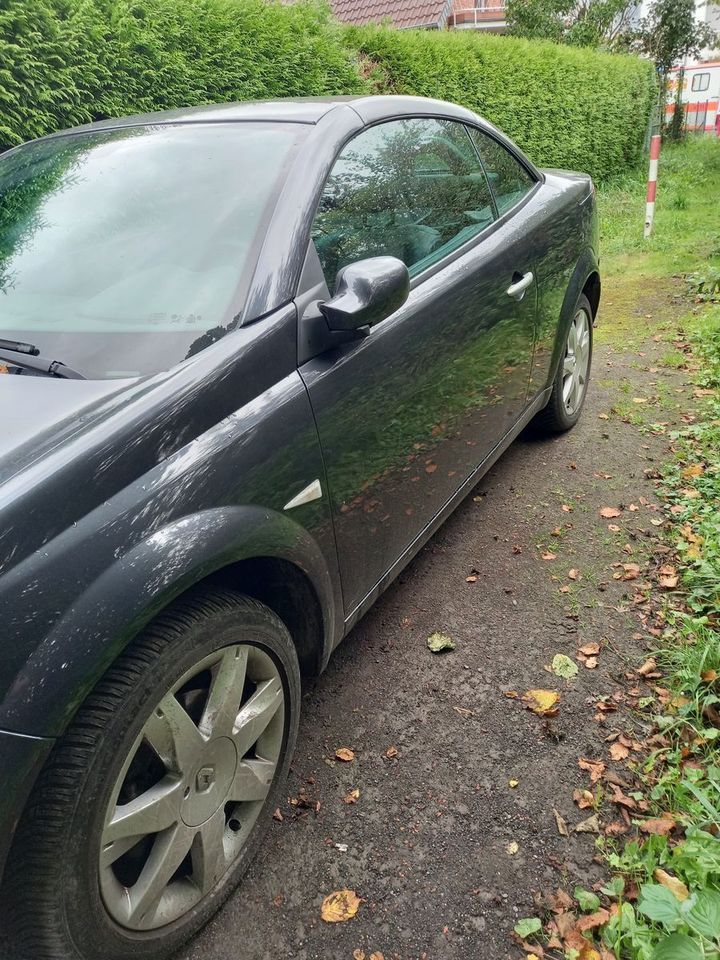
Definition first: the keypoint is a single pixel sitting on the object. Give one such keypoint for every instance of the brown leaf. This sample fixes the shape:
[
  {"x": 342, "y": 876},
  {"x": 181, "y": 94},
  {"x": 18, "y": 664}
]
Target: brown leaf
[
  {"x": 277, "y": 815},
  {"x": 376, "y": 955},
  {"x": 609, "y": 512},
  {"x": 573, "y": 574},
  {"x": 621, "y": 799},
  {"x": 590, "y": 649},
  {"x": 391, "y": 752},
  {"x": 548, "y": 555},
  {"x": 659, "y": 828},
  {"x": 464, "y": 711},
  {"x": 593, "y": 920},
  {"x": 591, "y": 825},
  {"x": 358, "y": 954},
  {"x": 632, "y": 571},
  {"x": 618, "y": 751},
  {"x": 352, "y": 797},
  {"x": 339, "y": 906},
  {"x": 648, "y": 667},
  {"x": 708, "y": 676},
  {"x": 595, "y": 768},
  {"x": 431, "y": 468},
  {"x": 614, "y": 528},
  {"x": 584, "y": 799},
  {"x": 566, "y": 508},
  {"x": 345, "y": 754},
  {"x": 560, "y": 823}
]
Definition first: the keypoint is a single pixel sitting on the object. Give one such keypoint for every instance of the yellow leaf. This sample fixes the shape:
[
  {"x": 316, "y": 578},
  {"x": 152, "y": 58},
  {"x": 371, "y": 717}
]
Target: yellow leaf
[
  {"x": 376, "y": 955},
  {"x": 696, "y": 470},
  {"x": 352, "y": 797},
  {"x": 675, "y": 886},
  {"x": 513, "y": 783},
  {"x": 358, "y": 954},
  {"x": 339, "y": 906},
  {"x": 345, "y": 754},
  {"x": 541, "y": 701},
  {"x": 512, "y": 848}
]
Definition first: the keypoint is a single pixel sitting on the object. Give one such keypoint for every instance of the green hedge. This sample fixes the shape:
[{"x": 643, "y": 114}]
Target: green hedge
[
  {"x": 565, "y": 106},
  {"x": 64, "y": 62}
]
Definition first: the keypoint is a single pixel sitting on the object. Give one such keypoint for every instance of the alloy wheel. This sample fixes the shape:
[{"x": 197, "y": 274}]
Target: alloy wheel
[
  {"x": 576, "y": 362},
  {"x": 189, "y": 793}
]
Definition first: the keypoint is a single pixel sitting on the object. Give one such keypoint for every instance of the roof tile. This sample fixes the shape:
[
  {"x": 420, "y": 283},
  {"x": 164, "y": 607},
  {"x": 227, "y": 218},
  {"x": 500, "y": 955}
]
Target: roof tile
[{"x": 402, "y": 13}]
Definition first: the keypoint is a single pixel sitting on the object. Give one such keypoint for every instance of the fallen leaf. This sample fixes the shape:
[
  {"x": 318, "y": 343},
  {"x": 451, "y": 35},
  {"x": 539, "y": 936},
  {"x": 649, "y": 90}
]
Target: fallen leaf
[
  {"x": 603, "y": 416},
  {"x": 590, "y": 649},
  {"x": 376, "y": 955},
  {"x": 675, "y": 886},
  {"x": 593, "y": 920},
  {"x": 566, "y": 508},
  {"x": 591, "y": 663},
  {"x": 339, "y": 906},
  {"x": 352, "y": 797},
  {"x": 696, "y": 470},
  {"x": 541, "y": 701},
  {"x": 512, "y": 848},
  {"x": 278, "y": 899},
  {"x": 609, "y": 512},
  {"x": 277, "y": 815},
  {"x": 595, "y": 768},
  {"x": 431, "y": 468},
  {"x": 560, "y": 823},
  {"x": 614, "y": 528},
  {"x": 513, "y": 783},
  {"x": 471, "y": 579},
  {"x": 639, "y": 400},
  {"x": 709, "y": 675},
  {"x": 573, "y": 574},
  {"x": 584, "y": 799},
  {"x": 619, "y": 751},
  {"x": 632, "y": 571},
  {"x": 358, "y": 954},
  {"x": 548, "y": 555},
  {"x": 591, "y": 825},
  {"x": 563, "y": 666},
  {"x": 621, "y": 799},
  {"x": 345, "y": 754},
  {"x": 659, "y": 828},
  {"x": 647, "y": 667},
  {"x": 391, "y": 752},
  {"x": 440, "y": 643}
]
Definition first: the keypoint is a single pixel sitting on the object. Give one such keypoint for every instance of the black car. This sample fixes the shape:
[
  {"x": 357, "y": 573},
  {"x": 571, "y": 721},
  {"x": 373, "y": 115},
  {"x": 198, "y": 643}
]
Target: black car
[{"x": 252, "y": 356}]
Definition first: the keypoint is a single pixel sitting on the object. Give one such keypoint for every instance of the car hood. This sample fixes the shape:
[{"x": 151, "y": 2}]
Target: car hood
[{"x": 39, "y": 413}]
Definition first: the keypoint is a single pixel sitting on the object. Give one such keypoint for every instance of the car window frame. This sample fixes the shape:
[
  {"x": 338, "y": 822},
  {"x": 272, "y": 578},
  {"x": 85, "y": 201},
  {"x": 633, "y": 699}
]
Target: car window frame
[{"x": 483, "y": 234}]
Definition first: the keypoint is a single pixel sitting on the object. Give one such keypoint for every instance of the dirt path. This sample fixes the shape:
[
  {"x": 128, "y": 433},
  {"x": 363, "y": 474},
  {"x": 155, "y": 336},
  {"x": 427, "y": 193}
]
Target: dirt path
[{"x": 427, "y": 841}]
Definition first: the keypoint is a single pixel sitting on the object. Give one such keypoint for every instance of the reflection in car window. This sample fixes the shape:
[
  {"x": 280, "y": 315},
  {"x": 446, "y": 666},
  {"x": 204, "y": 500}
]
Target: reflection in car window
[
  {"x": 411, "y": 189},
  {"x": 123, "y": 252},
  {"x": 510, "y": 181}
]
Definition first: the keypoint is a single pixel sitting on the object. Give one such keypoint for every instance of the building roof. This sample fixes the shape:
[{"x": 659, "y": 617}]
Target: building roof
[{"x": 402, "y": 13}]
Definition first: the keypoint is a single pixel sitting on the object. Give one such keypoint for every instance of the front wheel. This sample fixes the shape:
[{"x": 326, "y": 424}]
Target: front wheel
[
  {"x": 571, "y": 380},
  {"x": 153, "y": 803}
]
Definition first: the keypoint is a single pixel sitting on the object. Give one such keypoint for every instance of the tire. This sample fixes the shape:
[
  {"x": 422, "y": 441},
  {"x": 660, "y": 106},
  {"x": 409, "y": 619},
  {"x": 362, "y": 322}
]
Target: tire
[
  {"x": 557, "y": 416},
  {"x": 65, "y": 904}
]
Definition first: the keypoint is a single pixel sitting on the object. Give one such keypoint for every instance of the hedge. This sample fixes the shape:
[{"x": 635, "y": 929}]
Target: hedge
[
  {"x": 64, "y": 62},
  {"x": 565, "y": 106}
]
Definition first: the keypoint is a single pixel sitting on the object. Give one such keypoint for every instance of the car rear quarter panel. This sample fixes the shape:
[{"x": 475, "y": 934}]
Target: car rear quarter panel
[{"x": 565, "y": 254}]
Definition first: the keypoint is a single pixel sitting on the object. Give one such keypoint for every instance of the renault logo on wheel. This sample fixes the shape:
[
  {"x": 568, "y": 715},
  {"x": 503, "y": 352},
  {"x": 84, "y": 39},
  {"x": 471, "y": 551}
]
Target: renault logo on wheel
[{"x": 205, "y": 779}]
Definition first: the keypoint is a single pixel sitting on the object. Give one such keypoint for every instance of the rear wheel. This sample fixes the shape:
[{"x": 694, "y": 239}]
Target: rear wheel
[
  {"x": 571, "y": 380},
  {"x": 154, "y": 802}
]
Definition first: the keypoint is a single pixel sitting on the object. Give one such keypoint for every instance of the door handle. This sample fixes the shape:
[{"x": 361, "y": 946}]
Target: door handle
[{"x": 517, "y": 290}]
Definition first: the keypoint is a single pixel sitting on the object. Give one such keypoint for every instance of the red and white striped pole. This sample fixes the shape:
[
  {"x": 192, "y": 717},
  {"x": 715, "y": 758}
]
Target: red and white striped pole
[{"x": 652, "y": 184}]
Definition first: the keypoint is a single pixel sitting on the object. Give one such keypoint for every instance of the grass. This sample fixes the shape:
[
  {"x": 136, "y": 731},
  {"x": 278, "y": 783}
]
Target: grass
[
  {"x": 663, "y": 902},
  {"x": 679, "y": 918}
]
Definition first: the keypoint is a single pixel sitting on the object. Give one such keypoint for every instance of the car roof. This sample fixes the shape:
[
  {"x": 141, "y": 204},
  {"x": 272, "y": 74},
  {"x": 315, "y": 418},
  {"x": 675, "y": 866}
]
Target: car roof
[{"x": 307, "y": 110}]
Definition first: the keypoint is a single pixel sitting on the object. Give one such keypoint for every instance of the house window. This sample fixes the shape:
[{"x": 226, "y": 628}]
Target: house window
[{"x": 700, "y": 82}]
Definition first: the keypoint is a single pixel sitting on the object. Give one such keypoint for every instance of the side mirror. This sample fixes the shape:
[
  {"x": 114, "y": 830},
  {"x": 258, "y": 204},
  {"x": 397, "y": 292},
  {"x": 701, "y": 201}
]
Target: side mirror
[{"x": 367, "y": 292}]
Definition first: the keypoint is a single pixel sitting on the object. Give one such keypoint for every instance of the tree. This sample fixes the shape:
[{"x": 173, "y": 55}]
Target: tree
[
  {"x": 671, "y": 33},
  {"x": 586, "y": 23}
]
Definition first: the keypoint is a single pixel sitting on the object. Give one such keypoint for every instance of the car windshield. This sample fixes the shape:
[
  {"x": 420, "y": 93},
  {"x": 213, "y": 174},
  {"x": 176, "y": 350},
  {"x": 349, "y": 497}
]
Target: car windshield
[{"x": 123, "y": 252}]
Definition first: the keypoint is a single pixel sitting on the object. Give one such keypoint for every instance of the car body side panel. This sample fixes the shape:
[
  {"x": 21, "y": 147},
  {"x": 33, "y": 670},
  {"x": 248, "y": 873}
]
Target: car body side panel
[
  {"x": 565, "y": 246},
  {"x": 116, "y": 556}
]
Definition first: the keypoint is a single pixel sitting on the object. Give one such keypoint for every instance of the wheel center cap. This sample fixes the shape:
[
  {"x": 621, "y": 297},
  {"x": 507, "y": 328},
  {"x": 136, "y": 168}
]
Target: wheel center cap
[{"x": 211, "y": 780}]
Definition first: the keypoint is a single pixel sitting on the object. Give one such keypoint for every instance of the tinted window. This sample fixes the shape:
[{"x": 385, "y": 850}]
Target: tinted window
[
  {"x": 510, "y": 181},
  {"x": 411, "y": 189},
  {"x": 701, "y": 81},
  {"x": 123, "y": 252}
]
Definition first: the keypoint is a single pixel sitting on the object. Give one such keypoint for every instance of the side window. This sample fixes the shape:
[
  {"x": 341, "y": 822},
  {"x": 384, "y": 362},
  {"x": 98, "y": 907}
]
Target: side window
[
  {"x": 412, "y": 189},
  {"x": 510, "y": 181},
  {"x": 701, "y": 81}
]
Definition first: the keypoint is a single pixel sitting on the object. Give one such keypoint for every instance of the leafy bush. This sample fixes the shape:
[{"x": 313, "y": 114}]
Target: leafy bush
[
  {"x": 63, "y": 62},
  {"x": 566, "y": 107}
]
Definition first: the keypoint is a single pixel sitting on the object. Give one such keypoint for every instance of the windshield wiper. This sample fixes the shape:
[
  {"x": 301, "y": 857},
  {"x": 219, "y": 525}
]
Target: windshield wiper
[
  {"x": 30, "y": 360},
  {"x": 18, "y": 346}
]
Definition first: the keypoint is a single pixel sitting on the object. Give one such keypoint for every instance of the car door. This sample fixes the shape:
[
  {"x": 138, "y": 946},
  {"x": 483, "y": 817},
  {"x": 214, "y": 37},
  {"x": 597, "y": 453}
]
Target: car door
[{"x": 406, "y": 413}]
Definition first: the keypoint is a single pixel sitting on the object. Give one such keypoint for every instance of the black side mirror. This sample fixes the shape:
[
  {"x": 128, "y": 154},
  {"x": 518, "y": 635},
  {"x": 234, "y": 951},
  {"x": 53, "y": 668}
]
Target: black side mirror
[{"x": 367, "y": 292}]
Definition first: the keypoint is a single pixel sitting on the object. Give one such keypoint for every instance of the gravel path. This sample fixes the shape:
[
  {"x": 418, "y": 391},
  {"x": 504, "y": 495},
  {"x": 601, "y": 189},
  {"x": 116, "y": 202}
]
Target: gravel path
[{"x": 426, "y": 844}]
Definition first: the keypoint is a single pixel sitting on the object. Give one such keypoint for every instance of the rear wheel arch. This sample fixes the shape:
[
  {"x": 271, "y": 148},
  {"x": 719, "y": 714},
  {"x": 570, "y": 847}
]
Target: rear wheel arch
[{"x": 591, "y": 290}]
